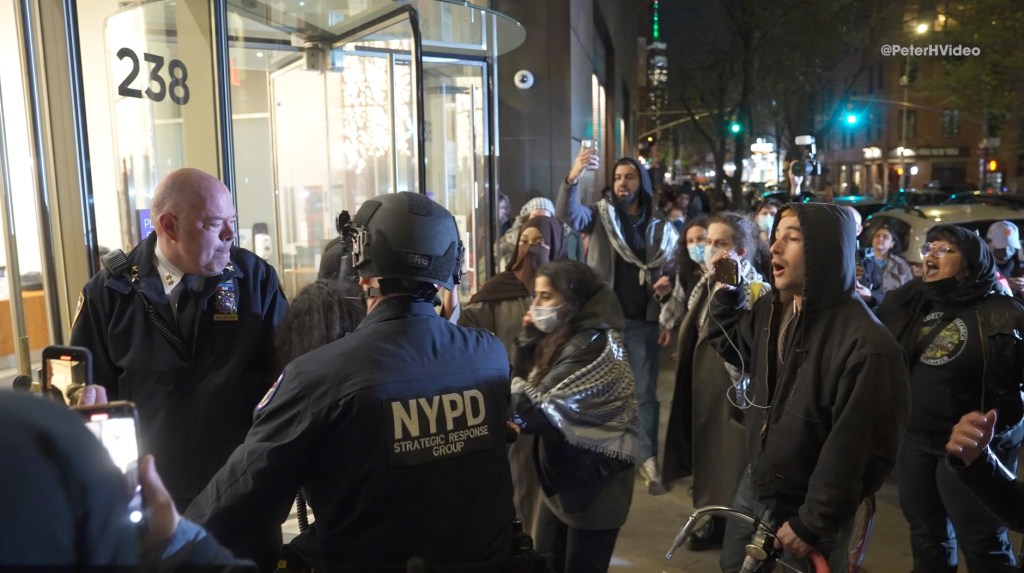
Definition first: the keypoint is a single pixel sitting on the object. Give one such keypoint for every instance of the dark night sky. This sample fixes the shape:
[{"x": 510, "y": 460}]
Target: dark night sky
[{"x": 686, "y": 25}]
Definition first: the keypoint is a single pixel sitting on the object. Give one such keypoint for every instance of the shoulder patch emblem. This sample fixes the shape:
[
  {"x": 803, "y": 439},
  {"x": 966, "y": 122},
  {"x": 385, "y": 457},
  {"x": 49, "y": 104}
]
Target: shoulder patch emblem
[
  {"x": 78, "y": 309},
  {"x": 269, "y": 395}
]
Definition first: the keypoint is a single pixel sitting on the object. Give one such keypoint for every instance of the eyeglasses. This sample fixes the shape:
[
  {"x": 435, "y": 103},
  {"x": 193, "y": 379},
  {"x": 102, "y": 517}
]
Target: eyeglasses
[{"x": 937, "y": 251}]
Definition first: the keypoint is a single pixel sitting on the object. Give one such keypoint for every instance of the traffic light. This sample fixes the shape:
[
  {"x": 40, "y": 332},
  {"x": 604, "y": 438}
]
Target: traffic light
[
  {"x": 992, "y": 165},
  {"x": 851, "y": 119},
  {"x": 735, "y": 127}
]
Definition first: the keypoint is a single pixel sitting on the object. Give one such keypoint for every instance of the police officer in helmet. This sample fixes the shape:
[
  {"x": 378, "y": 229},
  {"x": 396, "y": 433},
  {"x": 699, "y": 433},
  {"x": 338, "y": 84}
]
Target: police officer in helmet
[{"x": 395, "y": 433}]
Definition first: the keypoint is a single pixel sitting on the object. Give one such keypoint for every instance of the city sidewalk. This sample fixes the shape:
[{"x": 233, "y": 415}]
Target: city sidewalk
[{"x": 654, "y": 521}]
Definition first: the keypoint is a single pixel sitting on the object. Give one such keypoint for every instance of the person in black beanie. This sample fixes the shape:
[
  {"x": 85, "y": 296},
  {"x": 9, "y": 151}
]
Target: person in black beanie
[{"x": 959, "y": 334}]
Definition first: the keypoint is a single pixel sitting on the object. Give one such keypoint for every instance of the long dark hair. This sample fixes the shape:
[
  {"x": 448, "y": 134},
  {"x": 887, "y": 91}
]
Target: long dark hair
[
  {"x": 577, "y": 283},
  {"x": 681, "y": 255},
  {"x": 323, "y": 312}
]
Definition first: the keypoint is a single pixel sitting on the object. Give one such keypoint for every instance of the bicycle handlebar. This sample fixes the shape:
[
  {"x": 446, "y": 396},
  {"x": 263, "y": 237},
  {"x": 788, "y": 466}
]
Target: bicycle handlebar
[
  {"x": 816, "y": 558},
  {"x": 712, "y": 511}
]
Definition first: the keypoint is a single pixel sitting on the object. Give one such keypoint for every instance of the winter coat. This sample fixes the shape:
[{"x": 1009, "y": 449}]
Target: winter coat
[{"x": 826, "y": 427}]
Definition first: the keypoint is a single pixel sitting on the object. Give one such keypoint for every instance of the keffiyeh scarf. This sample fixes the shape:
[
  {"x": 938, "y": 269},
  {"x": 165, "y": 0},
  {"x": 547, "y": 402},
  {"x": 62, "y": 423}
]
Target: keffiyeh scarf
[
  {"x": 669, "y": 237},
  {"x": 594, "y": 408}
]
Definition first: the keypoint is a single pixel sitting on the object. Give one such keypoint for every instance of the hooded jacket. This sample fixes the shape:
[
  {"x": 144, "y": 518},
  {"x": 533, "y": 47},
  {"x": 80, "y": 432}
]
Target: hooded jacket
[
  {"x": 659, "y": 235},
  {"x": 824, "y": 430}
]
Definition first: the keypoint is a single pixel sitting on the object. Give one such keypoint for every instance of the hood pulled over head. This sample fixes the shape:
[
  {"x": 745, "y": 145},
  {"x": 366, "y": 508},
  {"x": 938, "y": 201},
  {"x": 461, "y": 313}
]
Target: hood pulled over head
[{"x": 830, "y": 245}]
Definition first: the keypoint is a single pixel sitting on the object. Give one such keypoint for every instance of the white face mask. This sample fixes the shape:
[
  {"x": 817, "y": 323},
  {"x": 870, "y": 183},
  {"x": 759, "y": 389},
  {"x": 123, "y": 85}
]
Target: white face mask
[
  {"x": 545, "y": 318},
  {"x": 696, "y": 252},
  {"x": 709, "y": 253},
  {"x": 765, "y": 222}
]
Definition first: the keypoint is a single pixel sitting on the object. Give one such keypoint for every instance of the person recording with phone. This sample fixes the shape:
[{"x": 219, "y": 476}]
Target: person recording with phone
[
  {"x": 631, "y": 247},
  {"x": 709, "y": 398},
  {"x": 66, "y": 505},
  {"x": 828, "y": 393},
  {"x": 183, "y": 326}
]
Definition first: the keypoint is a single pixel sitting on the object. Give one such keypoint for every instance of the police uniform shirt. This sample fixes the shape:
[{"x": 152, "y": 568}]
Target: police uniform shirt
[
  {"x": 395, "y": 433},
  {"x": 170, "y": 277},
  {"x": 195, "y": 407}
]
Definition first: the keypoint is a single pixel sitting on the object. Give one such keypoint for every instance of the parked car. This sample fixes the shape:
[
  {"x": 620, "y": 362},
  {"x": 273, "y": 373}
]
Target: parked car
[
  {"x": 915, "y": 198},
  {"x": 975, "y": 197},
  {"x": 864, "y": 204},
  {"x": 911, "y": 224}
]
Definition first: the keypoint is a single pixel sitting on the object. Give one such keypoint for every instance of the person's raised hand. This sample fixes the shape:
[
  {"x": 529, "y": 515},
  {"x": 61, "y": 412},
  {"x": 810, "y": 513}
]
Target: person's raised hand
[
  {"x": 92, "y": 395},
  {"x": 586, "y": 159},
  {"x": 971, "y": 435},
  {"x": 162, "y": 517},
  {"x": 527, "y": 319},
  {"x": 863, "y": 291}
]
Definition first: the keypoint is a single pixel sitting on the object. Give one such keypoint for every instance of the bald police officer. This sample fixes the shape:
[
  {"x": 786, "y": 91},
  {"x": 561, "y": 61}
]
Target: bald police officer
[
  {"x": 395, "y": 432},
  {"x": 184, "y": 328}
]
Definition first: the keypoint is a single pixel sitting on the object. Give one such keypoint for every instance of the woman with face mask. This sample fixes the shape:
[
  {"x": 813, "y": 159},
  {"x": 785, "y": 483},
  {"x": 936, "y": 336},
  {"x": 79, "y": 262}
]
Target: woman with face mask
[
  {"x": 766, "y": 216},
  {"x": 961, "y": 338},
  {"x": 689, "y": 262},
  {"x": 573, "y": 389},
  {"x": 499, "y": 307}
]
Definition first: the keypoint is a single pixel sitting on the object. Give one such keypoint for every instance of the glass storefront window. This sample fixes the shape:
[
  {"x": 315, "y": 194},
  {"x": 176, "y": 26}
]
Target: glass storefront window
[
  {"x": 319, "y": 128},
  {"x": 325, "y": 113},
  {"x": 158, "y": 94},
  {"x": 455, "y": 152},
  {"x": 18, "y": 183}
]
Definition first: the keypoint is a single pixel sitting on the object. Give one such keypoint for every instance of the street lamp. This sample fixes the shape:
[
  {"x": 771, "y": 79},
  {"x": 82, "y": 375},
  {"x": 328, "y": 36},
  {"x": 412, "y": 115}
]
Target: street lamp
[{"x": 920, "y": 29}]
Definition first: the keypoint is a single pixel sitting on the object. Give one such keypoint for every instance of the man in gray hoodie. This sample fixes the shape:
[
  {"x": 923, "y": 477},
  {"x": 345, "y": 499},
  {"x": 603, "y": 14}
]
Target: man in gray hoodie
[{"x": 631, "y": 248}]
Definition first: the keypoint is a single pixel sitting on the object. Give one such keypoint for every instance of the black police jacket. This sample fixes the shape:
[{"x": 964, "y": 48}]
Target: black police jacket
[
  {"x": 396, "y": 435},
  {"x": 194, "y": 407}
]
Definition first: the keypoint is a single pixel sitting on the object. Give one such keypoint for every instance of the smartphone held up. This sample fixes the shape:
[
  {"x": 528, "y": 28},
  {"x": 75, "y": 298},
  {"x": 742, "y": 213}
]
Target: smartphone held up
[
  {"x": 65, "y": 368},
  {"x": 116, "y": 425},
  {"x": 727, "y": 272}
]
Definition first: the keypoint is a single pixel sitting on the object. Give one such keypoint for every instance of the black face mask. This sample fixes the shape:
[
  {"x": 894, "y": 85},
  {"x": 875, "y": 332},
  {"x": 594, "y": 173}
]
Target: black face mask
[{"x": 1003, "y": 254}]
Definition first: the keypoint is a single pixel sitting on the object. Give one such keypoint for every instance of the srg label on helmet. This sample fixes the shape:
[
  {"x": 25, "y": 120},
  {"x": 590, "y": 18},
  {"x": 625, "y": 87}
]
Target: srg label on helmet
[
  {"x": 417, "y": 260},
  {"x": 433, "y": 428}
]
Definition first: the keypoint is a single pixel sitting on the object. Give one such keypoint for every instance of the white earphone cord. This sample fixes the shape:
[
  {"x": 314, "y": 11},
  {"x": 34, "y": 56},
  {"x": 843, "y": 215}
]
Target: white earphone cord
[{"x": 737, "y": 390}]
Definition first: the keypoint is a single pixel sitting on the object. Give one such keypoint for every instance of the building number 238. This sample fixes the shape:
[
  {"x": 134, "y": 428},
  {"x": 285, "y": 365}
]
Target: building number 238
[{"x": 158, "y": 87}]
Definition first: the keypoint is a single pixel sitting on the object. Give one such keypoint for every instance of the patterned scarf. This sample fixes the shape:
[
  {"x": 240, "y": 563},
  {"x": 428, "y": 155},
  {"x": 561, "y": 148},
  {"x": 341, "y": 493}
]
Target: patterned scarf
[
  {"x": 594, "y": 408},
  {"x": 669, "y": 238}
]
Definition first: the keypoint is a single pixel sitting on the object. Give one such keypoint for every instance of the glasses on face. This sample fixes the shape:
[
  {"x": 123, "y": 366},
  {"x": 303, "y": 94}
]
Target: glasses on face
[{"x": 937, "y": 251}]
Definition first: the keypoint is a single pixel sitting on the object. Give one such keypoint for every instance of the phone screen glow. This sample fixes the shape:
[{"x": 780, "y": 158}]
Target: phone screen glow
[
  {"x": 63, "y": 372},
  {"x": 118, "y": 436}
]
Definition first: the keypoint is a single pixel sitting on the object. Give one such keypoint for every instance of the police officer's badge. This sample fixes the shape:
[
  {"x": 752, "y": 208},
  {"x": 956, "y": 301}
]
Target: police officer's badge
[{"x": 225, "y": 302}]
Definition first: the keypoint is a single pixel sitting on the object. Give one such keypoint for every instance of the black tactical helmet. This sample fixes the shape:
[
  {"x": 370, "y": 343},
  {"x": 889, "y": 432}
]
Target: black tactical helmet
[{"x": 407, "y": 236}]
